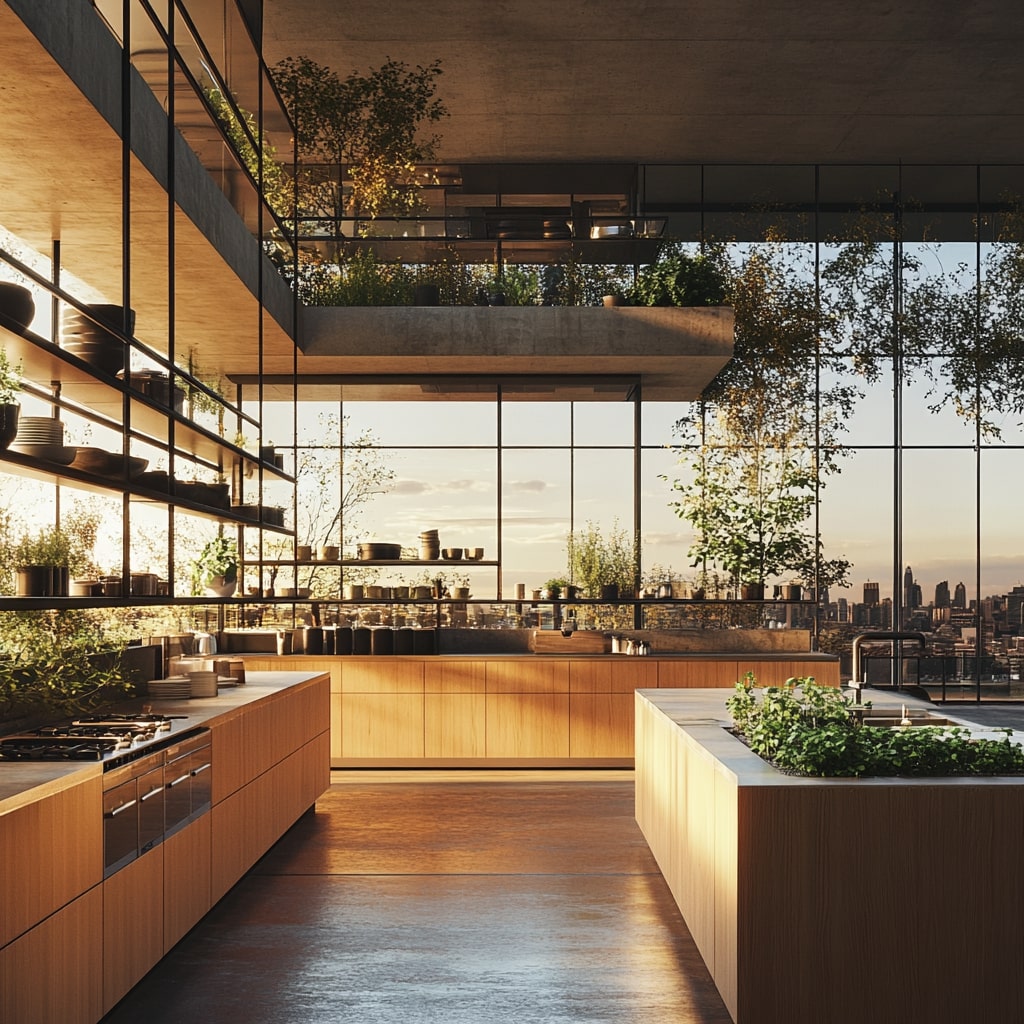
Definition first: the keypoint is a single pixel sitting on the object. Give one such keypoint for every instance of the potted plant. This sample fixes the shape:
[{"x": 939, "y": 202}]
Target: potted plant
[
  {"x": 552, "y": 589},
  {"x": 460, "y": 588},
  {"x": 42, "y": 563},
  {"x": 215, "y": 571},
  {"x": 10, "y": 385},
  {"x": 603, "y": 562}
]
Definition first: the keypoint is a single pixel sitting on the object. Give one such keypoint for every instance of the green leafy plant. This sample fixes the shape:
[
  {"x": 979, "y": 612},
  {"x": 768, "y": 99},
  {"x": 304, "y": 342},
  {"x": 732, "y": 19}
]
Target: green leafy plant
[
  {"x": 219, "y": 557},
  {"x": 810, "y": 730},
  {"x": 600, "y": 557},
  {"x": 10, "y": 379},
  {"x": 680, "y": 278},
  {"x": 48, "y": 546},
  {"x": 360, "y": 137},
  {"x": 57, "y": 662}
]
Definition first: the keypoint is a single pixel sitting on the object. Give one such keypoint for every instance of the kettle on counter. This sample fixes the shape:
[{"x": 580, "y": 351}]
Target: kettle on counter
[{"x": 206, "y": 644}]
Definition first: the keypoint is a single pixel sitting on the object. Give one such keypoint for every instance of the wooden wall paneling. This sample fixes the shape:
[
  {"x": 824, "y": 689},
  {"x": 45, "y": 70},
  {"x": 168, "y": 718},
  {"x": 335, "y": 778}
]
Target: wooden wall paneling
[
  {"x": 382, "y": 724},
  {"x": 528, "y": 675},
  {"x": 382, "y": 674},
  {"x": 601, "y": 725},
  {"x": 53, "y": 974},
  {"x": 40, "y": 870},
  {"x": 455, "y": 725},
  {"x": 133, "y": 923},
  {"x": 527, "y": 724},
  {"x": 187, "y": 872}
]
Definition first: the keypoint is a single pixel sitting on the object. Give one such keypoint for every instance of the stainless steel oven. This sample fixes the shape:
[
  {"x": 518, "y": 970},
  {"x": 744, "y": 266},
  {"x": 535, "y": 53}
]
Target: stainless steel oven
[{"x": 153, "y": 795}]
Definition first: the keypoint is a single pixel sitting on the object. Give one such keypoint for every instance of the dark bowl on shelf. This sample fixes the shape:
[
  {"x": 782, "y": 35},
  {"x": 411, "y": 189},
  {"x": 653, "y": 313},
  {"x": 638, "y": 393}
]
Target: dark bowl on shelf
[
  {"x": 107, "y": 356},
  {"x": 155, "y": 479},
  {"x": 375, "y": 551},
  {"x": 17, "y": 307}
]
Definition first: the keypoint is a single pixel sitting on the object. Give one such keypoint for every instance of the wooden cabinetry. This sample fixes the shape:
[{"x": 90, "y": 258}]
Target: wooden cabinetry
[
  {"x": 51, "y": 851},
  {"x": 73, "y": 943},
  {"x": 133, "y": 924},
  {"x": 53, "y": 974}
]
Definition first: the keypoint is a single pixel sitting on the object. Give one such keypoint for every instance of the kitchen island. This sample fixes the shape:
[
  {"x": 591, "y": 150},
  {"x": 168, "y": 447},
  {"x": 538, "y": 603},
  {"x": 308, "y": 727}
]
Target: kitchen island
[
  {"x": 514, "y": 710},
  {"x": 74, "y": 938},
  {"x": 838, "y": 900}
]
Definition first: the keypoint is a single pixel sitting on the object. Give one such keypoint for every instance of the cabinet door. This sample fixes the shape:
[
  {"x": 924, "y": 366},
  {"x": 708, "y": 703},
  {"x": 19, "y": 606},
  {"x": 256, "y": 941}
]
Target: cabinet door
[
  {"x": 601, "y": 725},
  {"x": 455, "y": 725},
  {"x": 186, "y": 879},
  {"x": 40, "y": 873},
  {"x": 527, "y": 725},
  {"x": 53, "y": 974},
  {"x": 699, "y": 673},
  {"x": 133, "y": 924},
  {"x": 382, "y": 725}
]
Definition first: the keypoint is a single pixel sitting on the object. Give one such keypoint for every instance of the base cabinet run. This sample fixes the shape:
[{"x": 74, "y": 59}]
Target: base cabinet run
[
  {"x": 72, "y": 944},
  {"x": 511, "y": 710}
]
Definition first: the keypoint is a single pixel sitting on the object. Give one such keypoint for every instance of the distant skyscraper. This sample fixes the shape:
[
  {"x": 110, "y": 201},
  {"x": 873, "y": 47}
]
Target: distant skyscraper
[
  {"x": 960, "y": 596},
  {"x": 942, "y": 594},
  {"x": 871, "y": 594}
]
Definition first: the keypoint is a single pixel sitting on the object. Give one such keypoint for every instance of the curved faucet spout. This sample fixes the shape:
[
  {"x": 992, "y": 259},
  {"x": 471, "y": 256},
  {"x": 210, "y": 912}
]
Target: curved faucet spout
[{"x": 856, "y": 682}]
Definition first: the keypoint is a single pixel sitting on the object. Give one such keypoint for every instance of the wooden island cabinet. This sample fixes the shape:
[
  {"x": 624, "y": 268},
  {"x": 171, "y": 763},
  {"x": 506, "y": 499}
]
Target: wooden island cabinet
[
  {"x": 73, "y": 943},
  {"x": 512, "y": 710}
]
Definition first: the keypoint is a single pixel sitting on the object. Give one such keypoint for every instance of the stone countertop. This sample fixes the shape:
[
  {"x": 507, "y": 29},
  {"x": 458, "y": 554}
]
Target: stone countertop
[
  {"x": 23, "y": 782},
  {"x": 703, "y": 716}
]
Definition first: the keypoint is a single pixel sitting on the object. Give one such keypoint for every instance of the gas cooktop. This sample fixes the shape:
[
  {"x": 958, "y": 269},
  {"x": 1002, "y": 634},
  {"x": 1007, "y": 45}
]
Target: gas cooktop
[{"x": 116, "y": 738}]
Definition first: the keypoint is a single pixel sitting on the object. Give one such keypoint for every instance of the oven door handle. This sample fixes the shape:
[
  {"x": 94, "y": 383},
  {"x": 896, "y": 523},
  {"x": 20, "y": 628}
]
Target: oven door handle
[
  {"x": 201, "y": 768},
  {"x": 156, "y": 791},
  {"x": 120, "y": 810},
  {"x": 180, "y": 779}
]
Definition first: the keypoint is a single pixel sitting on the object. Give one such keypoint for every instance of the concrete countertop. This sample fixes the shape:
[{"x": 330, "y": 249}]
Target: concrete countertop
[
  {"x": 702, "y": 715},
  {"x": 23, "y": 782}
]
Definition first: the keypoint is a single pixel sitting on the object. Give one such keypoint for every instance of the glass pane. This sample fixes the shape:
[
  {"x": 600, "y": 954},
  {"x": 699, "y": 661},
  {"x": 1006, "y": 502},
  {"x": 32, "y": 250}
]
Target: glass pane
[
  {"x": 603, "y": 423},
  {"x": 535, "y": 423},
  {"x": 536, "y": 515}
]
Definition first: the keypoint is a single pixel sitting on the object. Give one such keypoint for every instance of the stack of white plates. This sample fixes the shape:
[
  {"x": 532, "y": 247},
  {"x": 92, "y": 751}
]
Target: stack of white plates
[
  {"x": 42, "y": 437},
  {"x": 204, "y": 684},
  {"x": 173, "y": 687}
]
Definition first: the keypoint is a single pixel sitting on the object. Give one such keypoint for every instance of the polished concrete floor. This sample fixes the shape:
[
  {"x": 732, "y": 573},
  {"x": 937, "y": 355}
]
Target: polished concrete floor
[{"x": 456, "y": 898}]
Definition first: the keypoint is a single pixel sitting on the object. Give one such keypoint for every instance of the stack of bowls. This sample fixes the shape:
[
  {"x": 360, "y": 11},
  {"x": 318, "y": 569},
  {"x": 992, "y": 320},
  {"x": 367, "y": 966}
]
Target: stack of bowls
[
  {"x": 430, "y": 545},
  {"x": 90, "y": 341},
  {"x": 42, "y": 437}
]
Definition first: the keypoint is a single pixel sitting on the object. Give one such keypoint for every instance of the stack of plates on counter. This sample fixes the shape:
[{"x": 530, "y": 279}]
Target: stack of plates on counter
[
  {"x": 203, "y": 683},
  {"x": 42, "y": 437},
  {"x": 173, "y": 687}
]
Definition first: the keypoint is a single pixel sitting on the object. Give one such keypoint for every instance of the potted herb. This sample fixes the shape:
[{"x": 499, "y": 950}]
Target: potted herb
[
  {"x": 42, "y": 563},
  {"x": 10, "y": 410},
  {"x": 552, "y": 590},
  {"x": 215, "y": 571}
]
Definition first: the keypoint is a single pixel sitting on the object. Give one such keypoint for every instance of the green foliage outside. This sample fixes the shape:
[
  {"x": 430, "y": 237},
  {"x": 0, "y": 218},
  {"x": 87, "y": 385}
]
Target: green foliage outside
[
  {"x": 10, "y": 379},
  {"x": 810, "y": 730},
  {"x": 600, "y": 556}
]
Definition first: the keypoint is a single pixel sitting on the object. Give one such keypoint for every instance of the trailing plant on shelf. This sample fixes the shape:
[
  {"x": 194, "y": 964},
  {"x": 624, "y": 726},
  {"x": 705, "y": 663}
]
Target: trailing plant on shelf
[{"x": 215, "y": 571}]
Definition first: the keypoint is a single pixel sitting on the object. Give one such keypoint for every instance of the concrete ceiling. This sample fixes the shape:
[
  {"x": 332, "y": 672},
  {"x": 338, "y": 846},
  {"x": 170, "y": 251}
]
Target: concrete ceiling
[{"x": 712, "y": 81}]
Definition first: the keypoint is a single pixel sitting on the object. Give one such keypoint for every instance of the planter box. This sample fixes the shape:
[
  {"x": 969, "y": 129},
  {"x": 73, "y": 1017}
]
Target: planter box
[{"x": 838, "y": 900}]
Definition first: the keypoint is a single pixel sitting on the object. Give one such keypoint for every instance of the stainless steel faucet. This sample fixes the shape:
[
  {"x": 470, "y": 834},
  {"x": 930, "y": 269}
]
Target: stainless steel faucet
[{"x": 856, "y": 682}]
